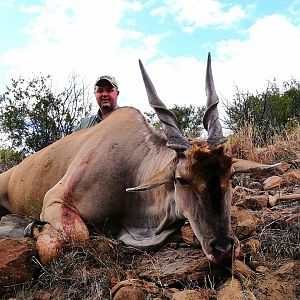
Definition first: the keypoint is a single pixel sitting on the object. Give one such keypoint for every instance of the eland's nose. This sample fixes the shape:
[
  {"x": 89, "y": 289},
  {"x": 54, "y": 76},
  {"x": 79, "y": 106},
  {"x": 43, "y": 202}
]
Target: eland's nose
[{"x": 222, "y": 247}]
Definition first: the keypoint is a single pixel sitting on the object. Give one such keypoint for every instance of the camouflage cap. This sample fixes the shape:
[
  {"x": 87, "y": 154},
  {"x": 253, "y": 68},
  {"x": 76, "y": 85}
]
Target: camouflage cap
[{"x": 110, "y": 79}]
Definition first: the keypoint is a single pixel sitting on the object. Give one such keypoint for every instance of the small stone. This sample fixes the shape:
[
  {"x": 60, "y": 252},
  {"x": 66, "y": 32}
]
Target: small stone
[
  {"x": 251, "y": 246},
  {"x": 283, "y": 167},
  {"x": 261, "y": 269},
  {"x": 256, "y": 201},
  {"x": 292, "y": 176},
  {"x": 244, "y": 222},
  {"x": 271, "y": 182},
  {"x": 130, "y": 292},
  {"x": 241, "y": 269},
  {"x": 273, "y": 200},
  {"x": 255, "y": 186},
  {"x": 285, "y": 268}
]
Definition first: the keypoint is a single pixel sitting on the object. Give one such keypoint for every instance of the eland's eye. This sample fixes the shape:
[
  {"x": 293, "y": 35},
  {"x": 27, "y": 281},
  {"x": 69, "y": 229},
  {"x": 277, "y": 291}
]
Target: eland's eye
[
  {"x": 232, "y": 175},
  {"x": 181, "y": 181}
]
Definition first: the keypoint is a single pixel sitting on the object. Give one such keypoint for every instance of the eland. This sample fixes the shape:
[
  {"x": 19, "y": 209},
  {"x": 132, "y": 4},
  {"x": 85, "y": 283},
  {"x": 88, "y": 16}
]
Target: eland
[{"x": 121, "y": 178}]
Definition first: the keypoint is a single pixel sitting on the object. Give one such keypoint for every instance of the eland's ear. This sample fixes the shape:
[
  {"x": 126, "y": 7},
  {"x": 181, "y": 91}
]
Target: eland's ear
[
  {"x": 248, "y": 166},
  {"x": 165, "y": 175}
]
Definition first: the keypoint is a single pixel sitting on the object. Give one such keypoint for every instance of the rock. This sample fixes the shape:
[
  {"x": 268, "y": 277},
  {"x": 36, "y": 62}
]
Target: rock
[
  {"x": 256, "y": 201},
  {"x": 188, "y": 235},
  {"x": 271, "y": 182},
  {"x": 241, "y": 269},
  {"x": 230, "y": 290},
  {"x": 292, "y": 219},
  {"x": 251, "y": 246},
  {"x": 189, "y": 295},
  {"x": 261, "y": 269},
  {"x": 233, "y": 290},
  {"x": 283, "y": 167},
  {"x": 292, "y": 176},
  {"x": 16, "y": 265},
  {"x": 243, "y": 221},
  {"x": 169, "y": 266},
  {"x": 130, "y": 293},
  {"x": 286, "y": 268},
  {"x": 273, "y": 200},
  {"x": 255, "y": 186},
  {"x": 12, "y": 225},
  {"x": 144, "y": 285}
]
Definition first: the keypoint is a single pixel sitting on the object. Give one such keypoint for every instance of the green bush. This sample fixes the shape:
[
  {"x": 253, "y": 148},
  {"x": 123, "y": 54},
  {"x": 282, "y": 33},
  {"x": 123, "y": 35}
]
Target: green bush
[
  {"x": 189, "y": 119},
  {"x": 33, "y": 115},
  {"x": 272, "y": 112},
  {"x": 9, "y": 158}
]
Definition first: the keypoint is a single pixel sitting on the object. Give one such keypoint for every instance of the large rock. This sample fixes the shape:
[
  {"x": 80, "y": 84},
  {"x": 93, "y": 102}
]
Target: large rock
[
  {"x": 243, "y": 221},
  {"x": 168, "y": 266},
  {"x": 16, "y": 264},
  {"x": 271, "y": 182},
  {"x": 13, "y": 225}
]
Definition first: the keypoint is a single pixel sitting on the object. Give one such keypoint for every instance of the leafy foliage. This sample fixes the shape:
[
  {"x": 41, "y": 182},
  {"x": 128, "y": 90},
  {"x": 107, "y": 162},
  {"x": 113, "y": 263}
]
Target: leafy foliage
[
  {"x": 32, "y": 116},
  {"x": 189, "y": 119},
  {"x": 9, "y": 158},
  {"x": 269, "y": 113}
]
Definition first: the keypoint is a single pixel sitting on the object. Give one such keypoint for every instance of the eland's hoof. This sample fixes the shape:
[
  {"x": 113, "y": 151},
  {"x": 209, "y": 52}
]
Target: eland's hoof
[{"x": 29, "y": 229}]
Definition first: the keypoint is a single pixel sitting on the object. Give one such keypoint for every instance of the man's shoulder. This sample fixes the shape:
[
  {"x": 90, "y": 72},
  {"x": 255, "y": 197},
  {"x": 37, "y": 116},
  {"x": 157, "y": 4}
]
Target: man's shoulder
[{"x": 87, "y": 122}]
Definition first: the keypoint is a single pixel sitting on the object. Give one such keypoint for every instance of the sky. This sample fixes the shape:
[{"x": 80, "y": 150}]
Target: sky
[{"x": 251, "y": 42}]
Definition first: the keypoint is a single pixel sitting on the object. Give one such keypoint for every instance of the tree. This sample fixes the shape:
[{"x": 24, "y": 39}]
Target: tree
[
  {"x": 189, "y": 120},
  {"x": 270, "y": 112},
  {"x": 9, "y": 158},
  {"x": 32, "y": 116}
]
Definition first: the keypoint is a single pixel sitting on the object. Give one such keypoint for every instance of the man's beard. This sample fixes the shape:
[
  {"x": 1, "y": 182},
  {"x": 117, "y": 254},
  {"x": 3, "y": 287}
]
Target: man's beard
[{"x": 107, "y": 107}]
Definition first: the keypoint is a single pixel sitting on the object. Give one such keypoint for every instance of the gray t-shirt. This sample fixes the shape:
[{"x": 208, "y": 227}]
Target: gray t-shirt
[{"x": 88, "y": 122}]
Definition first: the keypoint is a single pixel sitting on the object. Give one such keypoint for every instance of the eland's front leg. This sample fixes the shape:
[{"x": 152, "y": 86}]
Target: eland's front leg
[{"x": 65, "y": 225}]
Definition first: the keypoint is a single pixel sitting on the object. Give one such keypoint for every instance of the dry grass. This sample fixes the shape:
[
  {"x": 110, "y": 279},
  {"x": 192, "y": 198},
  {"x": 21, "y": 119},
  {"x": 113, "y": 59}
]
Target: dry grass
[
  {"x": 280, "y": 239},
  {"x": 79, "y": 273},
  {"x": 285, "y": 147}
]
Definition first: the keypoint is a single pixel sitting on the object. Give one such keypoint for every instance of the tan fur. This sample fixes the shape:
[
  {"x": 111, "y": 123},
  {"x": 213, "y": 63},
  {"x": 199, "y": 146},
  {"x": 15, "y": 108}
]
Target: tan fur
[{"x": 84, "y": 177}]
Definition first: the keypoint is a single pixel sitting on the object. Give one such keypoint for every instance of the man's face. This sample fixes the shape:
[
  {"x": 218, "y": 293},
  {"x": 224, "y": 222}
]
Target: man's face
[{"x": 106, "y": 95}]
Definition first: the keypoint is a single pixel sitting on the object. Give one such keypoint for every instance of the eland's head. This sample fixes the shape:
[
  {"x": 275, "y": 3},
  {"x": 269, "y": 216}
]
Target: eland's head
[{"x": 201, "y": 174}]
